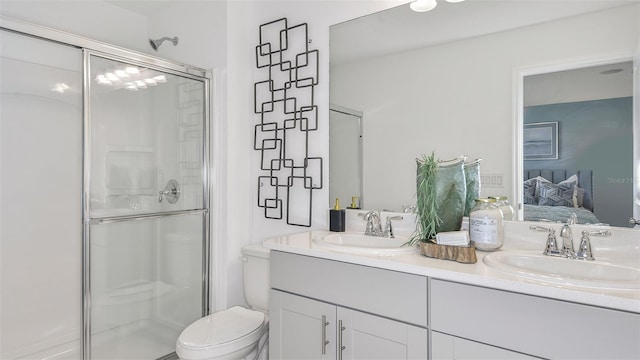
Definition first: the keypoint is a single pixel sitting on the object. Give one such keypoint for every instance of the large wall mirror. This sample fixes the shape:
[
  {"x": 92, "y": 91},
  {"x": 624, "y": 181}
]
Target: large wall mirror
[{"x": 452, "y": 80}]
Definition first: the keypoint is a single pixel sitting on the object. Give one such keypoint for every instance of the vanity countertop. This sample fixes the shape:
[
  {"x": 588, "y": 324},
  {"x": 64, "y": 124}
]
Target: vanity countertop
[{"x": 472, "y": 274}]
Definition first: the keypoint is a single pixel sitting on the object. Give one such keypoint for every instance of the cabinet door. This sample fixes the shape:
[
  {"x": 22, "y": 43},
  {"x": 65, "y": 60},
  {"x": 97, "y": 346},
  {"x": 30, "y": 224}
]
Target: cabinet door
[
  {"x": 301, "y": 328},
  {"x": 364, "y": 336},
  {"x": 447, "y": 347}
]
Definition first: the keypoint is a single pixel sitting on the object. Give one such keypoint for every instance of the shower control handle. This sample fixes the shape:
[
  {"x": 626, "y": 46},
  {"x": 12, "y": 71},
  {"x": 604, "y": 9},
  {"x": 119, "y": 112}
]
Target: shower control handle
[{"x": 171, "y": 192}]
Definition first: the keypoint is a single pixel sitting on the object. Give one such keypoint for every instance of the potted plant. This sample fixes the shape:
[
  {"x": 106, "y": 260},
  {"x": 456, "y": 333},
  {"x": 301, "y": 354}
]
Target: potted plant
[{"x": 426, "y": 201}]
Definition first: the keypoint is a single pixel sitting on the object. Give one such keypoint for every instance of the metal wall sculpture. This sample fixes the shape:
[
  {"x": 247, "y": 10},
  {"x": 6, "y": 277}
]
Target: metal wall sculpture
[{"x": 287, "y": 116}]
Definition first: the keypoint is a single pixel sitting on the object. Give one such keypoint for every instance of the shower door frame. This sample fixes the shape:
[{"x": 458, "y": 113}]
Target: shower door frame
[
  {"x": 86, "y": 195},
  {"x": 92, "y": 47}
]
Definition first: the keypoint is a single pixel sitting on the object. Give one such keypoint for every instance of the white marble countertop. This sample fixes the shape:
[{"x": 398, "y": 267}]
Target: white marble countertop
[{"x": 473, "y": 274}]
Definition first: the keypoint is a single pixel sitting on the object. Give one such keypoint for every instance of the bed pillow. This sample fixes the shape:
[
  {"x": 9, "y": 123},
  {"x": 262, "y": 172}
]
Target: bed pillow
[
  {"x": 578, "y": 197},
  {"x": 556, "y": 194},
  {"x": 530, "y": 186},
  {"x": 571, "y": 180}
]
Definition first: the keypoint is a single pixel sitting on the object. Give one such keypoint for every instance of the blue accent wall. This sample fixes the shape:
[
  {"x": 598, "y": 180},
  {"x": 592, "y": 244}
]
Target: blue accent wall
[{"x": 594, "y": 135}]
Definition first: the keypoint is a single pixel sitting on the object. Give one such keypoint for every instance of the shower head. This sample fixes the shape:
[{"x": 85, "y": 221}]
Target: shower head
[{"x": 155, "y": 44}]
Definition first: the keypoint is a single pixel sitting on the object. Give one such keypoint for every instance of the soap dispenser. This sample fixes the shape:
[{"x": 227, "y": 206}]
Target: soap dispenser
[
  {"x": 354, "y": 203},
  {"x": 337, "y": 218}
]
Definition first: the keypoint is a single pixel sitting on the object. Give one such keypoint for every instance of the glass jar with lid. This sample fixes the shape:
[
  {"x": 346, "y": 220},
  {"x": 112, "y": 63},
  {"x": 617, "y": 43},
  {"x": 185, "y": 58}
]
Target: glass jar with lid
[
  {"x": 502, "y": 202},
  {"x": 486, "y": 225}
]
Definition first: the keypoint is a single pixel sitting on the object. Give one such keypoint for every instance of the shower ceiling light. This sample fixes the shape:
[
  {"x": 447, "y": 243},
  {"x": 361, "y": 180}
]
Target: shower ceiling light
[
  {"x": 423, "y": 5},
  {"x": 134, "y": 82},
  {"x": 427, "y": 5},
  {"x": 112, "y": 77},
  {"x": 60, "y": 88},
  {"x": 132, "y": 70},
  {"x": 102, "y": 80}
]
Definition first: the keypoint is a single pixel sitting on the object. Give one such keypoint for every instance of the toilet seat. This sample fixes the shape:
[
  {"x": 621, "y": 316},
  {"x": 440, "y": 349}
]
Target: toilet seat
[{"x": 221, "y": 333}]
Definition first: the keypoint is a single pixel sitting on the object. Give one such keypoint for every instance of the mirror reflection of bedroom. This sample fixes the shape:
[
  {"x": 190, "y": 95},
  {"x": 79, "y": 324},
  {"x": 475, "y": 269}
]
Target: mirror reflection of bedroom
[{"x": 578, "y": 145}]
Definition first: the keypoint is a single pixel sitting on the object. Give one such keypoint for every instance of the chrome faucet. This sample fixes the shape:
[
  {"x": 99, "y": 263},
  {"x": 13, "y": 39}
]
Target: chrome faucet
[
  {"x": 584, "y": 250},
  {"x": 374, "y": 227}
]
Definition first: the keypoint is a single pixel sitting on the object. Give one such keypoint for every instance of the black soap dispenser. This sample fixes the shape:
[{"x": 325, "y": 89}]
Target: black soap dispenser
[{"x": 336, "y": 218}]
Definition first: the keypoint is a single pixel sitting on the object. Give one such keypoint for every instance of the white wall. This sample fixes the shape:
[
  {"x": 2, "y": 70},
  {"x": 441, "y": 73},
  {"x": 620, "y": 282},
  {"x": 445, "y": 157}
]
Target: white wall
[
  {"x": 246, "y": 220},
  {"x": 457, "y": 98}
]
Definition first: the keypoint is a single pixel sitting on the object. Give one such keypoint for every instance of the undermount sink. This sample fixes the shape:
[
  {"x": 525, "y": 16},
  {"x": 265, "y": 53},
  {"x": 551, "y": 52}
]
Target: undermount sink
[
  {"x": 557, "y": 270},
  {"x": 364, "y": 244}
]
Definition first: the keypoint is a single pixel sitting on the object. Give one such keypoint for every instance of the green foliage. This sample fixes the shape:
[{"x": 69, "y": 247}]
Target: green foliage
[{"x": 427, "y": 207}]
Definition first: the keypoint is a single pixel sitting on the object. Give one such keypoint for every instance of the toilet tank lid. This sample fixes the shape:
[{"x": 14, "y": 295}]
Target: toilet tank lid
[
  {"x": 221, "y": 327},
  {"x": 256, "y": 250}
]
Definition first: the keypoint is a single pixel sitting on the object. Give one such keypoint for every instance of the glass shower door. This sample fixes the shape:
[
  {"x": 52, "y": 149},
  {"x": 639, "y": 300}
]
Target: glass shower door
[{"x": 147, "y": 209}]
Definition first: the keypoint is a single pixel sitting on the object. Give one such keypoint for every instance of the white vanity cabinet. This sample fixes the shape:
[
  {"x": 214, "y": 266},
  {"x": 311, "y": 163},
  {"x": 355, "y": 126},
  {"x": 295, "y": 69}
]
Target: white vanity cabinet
[
  {"x": 304, "y": 328},
  {"x": 380, "y": 313},
  {"x": 326, "y": 309},
  {"x": 527, "y": 324}
]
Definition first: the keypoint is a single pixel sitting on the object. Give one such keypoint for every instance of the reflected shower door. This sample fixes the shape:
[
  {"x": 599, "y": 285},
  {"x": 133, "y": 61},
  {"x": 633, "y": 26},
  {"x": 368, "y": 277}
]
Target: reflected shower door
[
  {"x": 41, "y": 182},
  {"x": 147, "y": 209}
]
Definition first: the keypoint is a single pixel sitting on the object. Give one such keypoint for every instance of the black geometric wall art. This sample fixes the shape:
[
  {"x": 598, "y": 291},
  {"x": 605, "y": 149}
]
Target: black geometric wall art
[{"x": 287, "y": 116}]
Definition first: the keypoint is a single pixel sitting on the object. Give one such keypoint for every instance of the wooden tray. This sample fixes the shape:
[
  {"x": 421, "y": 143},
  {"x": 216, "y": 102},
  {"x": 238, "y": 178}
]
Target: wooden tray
[{"x": 461, "y": 254}]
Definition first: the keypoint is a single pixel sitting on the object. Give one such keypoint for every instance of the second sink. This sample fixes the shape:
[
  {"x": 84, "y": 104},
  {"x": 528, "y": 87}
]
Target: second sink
[{"x": 590, "y": 274}]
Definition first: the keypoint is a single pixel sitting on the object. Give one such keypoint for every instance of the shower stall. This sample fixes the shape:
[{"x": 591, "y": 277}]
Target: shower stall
[{"x": 104, "y": 218}]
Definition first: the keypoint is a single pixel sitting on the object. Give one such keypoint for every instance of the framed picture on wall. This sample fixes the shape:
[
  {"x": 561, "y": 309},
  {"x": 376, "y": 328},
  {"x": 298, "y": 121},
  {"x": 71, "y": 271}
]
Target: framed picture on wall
[{"x": 540, "y": 141}]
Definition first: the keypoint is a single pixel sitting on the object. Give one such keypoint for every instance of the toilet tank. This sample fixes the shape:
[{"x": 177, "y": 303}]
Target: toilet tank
[{"x": 256, "y": 276}]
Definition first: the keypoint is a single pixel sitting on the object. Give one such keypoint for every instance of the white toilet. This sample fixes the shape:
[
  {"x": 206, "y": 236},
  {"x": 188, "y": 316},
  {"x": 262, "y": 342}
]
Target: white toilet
[{"x": 237, "y": 332}]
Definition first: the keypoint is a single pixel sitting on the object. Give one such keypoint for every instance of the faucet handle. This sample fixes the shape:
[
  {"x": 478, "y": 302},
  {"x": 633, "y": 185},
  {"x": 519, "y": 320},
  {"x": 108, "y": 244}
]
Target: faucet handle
[
  {"x": 552, "y": 244},
  {"x": 584, "y": 251},
  {"x": 551, "y": 247},
  {"x": 388, "y": 229}
]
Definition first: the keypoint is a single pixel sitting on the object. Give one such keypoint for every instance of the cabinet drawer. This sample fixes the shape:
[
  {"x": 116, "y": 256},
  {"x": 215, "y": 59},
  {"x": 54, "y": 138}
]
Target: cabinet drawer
[
  {"x": 533, "y": 325},
  {"x": 386, "y": 293}
]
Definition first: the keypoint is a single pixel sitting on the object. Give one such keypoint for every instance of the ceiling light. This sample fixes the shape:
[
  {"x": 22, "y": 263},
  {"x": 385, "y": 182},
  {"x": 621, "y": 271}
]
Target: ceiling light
[
  {"x": 423, "y": 5},
  {"x": 112, "y": 77},
  {"x": 455, "y": 1},
  {"x": 102, "y": 80},
  {"x": 160, "y": 78},
  {"x": 60, "y": 88},
  {"x": 132, "y": 70},
  {"x": 121, "y": 73}
]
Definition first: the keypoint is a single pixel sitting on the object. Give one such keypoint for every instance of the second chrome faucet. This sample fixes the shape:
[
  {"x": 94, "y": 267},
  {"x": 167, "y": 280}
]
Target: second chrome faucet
[{"x": 584, "y": 249}]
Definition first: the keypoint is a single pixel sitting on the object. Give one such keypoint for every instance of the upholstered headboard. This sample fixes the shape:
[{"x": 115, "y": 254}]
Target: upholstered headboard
[{"x": 585, "y": 181}]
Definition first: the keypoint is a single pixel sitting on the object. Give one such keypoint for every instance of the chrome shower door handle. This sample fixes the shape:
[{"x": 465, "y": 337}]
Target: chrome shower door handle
[{"x": 171, "y": 192}]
